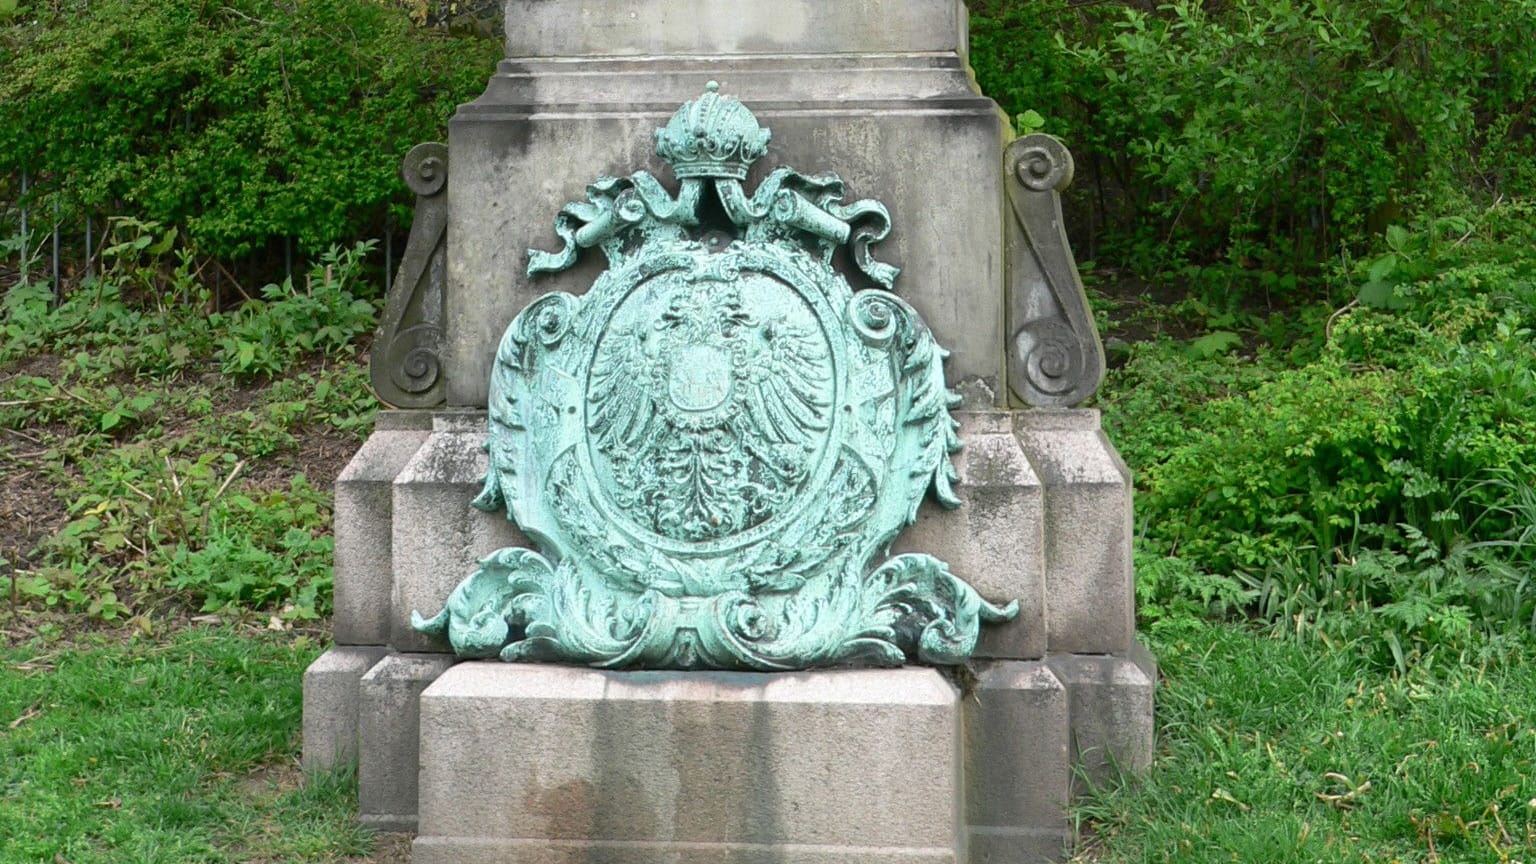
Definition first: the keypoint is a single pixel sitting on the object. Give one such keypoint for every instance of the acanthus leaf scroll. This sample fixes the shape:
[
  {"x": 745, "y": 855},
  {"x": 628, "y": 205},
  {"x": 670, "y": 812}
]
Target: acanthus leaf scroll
[{"x": 713, "y": 444}]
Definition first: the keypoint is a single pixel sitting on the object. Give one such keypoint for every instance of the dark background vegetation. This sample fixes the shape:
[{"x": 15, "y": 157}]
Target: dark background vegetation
[{"x": 1308, "y": 230}]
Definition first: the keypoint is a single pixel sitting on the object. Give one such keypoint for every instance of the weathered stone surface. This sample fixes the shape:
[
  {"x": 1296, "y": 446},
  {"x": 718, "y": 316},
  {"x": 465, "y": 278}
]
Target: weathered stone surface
[
  {"x": 1054, "y": 355},
  {"x": 543, "y": 763},
  {"x": 389, "y": 734},
  {"x": 995, "y": 540},
  {"x": 1018, "y": 770},
  {"x": 434, "y": 850},
  {"x": 363, "y": 525},
  {"x": 438, "y": 538},
  {"x": 402, "y": 361},
  {"x": 1089, "y": 588},
  {"x": 331, "y": 706},
  {"x": 595, "y": 28},
  {"x": 543, "y": 128},
  {"x": 1110, "y": 700}
]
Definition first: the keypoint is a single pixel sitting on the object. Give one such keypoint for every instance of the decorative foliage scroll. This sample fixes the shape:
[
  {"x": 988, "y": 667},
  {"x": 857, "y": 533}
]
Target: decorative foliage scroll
[{"x": 712, "y": 445}]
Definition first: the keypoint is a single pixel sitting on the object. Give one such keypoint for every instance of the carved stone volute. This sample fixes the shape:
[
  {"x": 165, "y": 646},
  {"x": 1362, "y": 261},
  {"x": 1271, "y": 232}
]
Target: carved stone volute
[
  {"x": 405, "y": 363},
  {"x": 1055, "y": 358}
]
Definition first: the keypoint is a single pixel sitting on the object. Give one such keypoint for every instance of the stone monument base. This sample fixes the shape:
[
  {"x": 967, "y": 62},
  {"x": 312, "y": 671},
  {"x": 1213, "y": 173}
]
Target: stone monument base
[
  {"x": 528, "y": 763},
  {"x": 532, "y": 763},
  {"x": 1055, "y": 701}
]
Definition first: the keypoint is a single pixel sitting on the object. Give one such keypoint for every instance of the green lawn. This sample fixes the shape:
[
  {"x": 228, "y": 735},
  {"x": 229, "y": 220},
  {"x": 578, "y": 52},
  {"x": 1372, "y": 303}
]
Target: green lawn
[
  {"x": 1273, "y": 750},
  {"x": 178, "y": 750},
  {"x": 186, "y": 748}
]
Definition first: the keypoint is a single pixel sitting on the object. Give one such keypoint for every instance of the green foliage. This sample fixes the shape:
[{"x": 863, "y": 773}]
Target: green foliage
[
  {"x": 151, "y": 412},
  {"x": 239, "y": 121},
  {"x": 1271, "y": 133},
  {"x": 135, "y": 319},
  {"x": 263, "y": 337},
  {"x": 1175, "y": 596},
  {"x": 145, "y": 523},
  {"x": 1383, "y": 487}
]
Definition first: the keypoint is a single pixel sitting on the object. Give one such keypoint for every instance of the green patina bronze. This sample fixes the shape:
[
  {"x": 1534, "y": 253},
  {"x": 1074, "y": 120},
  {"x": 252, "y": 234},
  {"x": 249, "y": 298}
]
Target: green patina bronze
[{"x": 712, "y": 445}]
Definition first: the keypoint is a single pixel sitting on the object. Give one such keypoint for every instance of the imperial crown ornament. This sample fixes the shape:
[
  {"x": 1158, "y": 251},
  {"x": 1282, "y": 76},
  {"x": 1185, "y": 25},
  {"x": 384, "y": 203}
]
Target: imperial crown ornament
[{"x": 711, "y": 447}]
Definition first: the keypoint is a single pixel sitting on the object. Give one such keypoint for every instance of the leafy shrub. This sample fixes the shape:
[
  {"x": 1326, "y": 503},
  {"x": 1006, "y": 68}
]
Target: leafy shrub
[
  {"x": 1269, "y": 133},
  {"x": 266, "y": 336},
  {"x": 239, "y": 120},
  {"x": 1387, "y": 478}
]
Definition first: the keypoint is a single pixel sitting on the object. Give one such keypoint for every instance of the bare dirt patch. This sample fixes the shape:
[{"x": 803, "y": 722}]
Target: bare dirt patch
[
  {"x": 29, "y": 510},
  {"x": 320, "y": 455}
]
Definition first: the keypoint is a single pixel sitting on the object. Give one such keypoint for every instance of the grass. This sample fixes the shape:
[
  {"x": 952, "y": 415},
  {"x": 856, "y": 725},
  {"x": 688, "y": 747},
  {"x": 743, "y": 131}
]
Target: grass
[
  {"x": 180, "y": 749},
  {"x": 1273, "y": 749},
  {"x": 159, "y": 460},
  {"x": 163, "y": 454},
  {"x": 184, "y": 748}
]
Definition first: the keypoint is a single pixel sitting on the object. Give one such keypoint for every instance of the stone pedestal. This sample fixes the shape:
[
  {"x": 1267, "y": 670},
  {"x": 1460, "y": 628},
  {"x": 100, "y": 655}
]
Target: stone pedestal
[
  {"x": 1110, "y": 702},
  {"x": 1090, "y": 587},
  {"x": 437, "y": 536},
  {"x": 1018, "y": 770},
  {"x": 1045, "y": 521},
  {"x": 331, "y": 705},
  {"x": 364, "y": 511},
  {"x": 536, "y": 763},
  {"x": 995, "y": 540},
  {"x": 547, "y": 764}
]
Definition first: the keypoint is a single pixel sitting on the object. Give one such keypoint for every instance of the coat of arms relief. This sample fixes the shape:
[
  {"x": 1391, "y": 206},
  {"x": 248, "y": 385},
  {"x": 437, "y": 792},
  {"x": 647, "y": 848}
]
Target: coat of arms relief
[{"x": 713, "y": 446}]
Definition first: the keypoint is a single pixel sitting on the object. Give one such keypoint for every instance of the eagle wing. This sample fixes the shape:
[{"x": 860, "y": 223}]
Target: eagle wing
[
  {"x": 789, "y": 394},
  {"x": 621, "y": 408}
]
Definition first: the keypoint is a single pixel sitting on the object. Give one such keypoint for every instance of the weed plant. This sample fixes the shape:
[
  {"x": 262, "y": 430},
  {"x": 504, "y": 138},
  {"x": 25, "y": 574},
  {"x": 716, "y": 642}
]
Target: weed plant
[{"x": 145, "y": 409}]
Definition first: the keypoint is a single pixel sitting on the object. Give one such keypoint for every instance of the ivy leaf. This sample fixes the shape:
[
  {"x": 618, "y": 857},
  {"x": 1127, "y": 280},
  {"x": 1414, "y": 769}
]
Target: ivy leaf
[
  {"x": 1381, "y": 268},
  {"x": 1029, "y": 121},
  {"x": 1214, "y": 344}
]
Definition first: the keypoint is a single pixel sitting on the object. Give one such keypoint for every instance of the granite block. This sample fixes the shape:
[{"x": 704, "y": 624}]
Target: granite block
[
  {"x": 364, "y": 519},
  {"x": 1018, "y": 768},
  {"x": 331, "y": 706},
  {"x": 437, "y": 537},
  {"x": 1089, "y": 584},
  {"x": 388, "y": 733},
  {"x": 1111, "y": 705},
  {"x": 545, "y": 763},
  {"x": 995, "y": 539}
]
